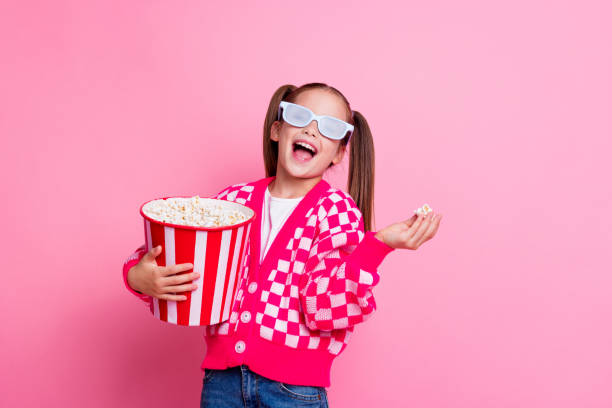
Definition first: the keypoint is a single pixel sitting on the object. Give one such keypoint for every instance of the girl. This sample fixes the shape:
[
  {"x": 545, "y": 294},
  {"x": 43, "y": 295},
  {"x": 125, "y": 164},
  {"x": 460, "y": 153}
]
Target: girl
[{"x": 312, "y": 261}]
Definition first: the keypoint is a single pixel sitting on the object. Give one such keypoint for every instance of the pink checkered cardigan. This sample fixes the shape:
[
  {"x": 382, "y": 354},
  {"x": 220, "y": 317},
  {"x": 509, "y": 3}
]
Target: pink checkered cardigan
[{"x": 295, "y": 312}]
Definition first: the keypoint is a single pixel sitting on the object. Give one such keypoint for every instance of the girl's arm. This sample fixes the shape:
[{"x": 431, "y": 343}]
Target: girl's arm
[
  {"x": 336, "y": 287},
  {"x": 131, "y": 261}
]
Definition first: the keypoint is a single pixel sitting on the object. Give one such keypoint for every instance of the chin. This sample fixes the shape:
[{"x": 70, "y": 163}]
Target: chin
[
  {"x": 300, "y": 174},
  {"x": 294, "y": 171}
]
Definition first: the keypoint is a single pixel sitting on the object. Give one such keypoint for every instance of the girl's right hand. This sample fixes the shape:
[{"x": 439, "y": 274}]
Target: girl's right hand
[{"x": 161, "y": 282}]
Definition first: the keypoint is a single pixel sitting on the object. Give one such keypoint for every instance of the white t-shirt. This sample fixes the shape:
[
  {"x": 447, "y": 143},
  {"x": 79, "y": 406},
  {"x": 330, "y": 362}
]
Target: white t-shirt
[{"x": 275, "y": 213}]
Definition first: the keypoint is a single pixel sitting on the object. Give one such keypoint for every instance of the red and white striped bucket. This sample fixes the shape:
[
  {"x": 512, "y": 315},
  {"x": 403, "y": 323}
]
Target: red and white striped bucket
[{"x": 216, "y": 253}]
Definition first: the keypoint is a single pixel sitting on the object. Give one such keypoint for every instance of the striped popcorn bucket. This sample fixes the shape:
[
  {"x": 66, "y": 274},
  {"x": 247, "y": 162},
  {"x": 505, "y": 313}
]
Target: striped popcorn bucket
[{"x": 216, "y": 253}]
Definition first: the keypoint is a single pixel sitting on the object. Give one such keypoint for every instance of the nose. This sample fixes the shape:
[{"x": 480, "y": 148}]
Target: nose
[{"x": 312, "y": 128}]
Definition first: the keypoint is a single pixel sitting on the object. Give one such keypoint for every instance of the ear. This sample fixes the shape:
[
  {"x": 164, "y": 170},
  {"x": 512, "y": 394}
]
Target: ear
[
  {"x": 339, "y": 154},
  {"x": 274, "y": 129}
]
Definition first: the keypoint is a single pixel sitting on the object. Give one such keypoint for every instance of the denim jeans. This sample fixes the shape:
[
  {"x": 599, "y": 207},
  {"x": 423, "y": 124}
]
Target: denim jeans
[{"x": 240, "y": 387}]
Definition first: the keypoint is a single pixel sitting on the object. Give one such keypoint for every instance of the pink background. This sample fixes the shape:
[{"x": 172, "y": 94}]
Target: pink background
[{"x": 498, "y": 116}]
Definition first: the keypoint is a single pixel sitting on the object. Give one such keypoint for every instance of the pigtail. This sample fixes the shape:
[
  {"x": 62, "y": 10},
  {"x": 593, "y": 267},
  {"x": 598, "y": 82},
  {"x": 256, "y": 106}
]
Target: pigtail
[
  {"x": 361, "y": 169},
  {"x": 270, "y": 147}
]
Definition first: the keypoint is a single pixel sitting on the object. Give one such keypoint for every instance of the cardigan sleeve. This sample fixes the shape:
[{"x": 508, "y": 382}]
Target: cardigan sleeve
[
  {"x": 336, "y": 286},
  {"x": 132, "y": 260},
  {"x": 137, "y": 255}
]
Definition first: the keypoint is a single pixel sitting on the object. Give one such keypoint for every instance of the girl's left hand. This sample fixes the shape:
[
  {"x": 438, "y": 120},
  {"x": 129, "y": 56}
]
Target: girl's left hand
[{"x": 410, "y": 234}]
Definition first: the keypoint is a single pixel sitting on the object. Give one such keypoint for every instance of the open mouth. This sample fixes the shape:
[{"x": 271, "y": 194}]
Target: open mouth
[{"x": 303, "y": 152}]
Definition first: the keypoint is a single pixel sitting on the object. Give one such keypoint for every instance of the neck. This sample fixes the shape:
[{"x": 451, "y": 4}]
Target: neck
[{"x": 287, "y": 186}]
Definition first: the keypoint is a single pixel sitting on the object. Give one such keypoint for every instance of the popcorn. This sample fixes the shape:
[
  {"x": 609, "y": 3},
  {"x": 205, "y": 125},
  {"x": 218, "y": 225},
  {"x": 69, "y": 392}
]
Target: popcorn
[
  {"x": 193, "y": 212},
  {"x": 423, "y": 210}
]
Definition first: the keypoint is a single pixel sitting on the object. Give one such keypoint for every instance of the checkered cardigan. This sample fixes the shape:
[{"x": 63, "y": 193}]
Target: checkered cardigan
[{"x": 295, "y": 311}]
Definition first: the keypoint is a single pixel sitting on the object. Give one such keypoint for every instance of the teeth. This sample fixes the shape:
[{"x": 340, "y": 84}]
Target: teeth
[{"x": 309, "y": 147}]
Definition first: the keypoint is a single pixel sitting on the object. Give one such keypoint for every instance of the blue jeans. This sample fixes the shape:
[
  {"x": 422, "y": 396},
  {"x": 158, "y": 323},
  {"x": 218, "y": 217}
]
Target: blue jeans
[{"x": 240, "y": 387}]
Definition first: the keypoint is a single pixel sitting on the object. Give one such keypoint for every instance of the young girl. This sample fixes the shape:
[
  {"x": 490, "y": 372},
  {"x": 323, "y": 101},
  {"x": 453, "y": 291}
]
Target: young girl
[{"x": 312, "y": 261}]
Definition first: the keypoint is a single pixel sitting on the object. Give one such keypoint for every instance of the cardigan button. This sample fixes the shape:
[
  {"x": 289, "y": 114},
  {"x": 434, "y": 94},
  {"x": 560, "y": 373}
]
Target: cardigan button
[
  {"x": 252, "y": 287},
  {"x": 240, "y": 346},
  {"x": 245, "y": 317}
]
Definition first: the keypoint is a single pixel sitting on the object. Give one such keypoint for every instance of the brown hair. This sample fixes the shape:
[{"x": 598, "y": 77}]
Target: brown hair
[{"x": 361, "y": 160}]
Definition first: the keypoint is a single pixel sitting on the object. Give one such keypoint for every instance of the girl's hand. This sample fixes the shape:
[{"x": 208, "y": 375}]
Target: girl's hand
[
  {"x": 161, "y": 282},
  {"x": 410, "y": 234}
]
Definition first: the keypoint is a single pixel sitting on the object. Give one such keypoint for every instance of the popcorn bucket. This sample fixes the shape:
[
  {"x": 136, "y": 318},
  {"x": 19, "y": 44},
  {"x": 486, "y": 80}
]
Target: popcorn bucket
[{"x": 217, "y": 254}]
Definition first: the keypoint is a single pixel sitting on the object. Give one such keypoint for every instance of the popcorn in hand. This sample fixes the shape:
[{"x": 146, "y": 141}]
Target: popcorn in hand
[{"x": 423, "y": 210}]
